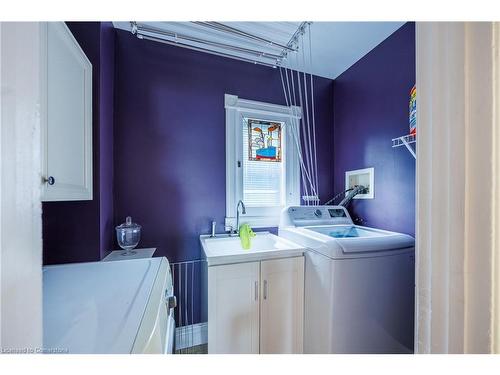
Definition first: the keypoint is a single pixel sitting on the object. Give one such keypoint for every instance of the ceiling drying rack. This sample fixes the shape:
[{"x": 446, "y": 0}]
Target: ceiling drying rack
[
  {"x": 406, "y": 141},
  {"x": 270, "y": 54}
]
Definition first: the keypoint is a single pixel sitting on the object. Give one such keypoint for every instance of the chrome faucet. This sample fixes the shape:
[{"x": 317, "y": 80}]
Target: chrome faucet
[
  {"x": 243, "y": 211},
  {"x": 214, "y": 223}
]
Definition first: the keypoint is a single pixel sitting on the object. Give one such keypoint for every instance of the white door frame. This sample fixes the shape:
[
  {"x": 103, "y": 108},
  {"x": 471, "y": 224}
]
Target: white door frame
[
  {"x": 496, "y": 189},
  {"x": 20, "y": 182},
  {"x": 458, "y": 179}
]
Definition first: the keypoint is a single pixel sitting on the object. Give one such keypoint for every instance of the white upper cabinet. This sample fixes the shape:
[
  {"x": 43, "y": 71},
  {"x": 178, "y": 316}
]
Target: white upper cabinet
[{"x": 66, "y": 116}]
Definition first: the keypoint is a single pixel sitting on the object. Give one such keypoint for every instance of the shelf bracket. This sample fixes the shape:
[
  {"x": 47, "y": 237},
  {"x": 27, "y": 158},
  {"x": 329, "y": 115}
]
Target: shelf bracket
[{"x": 406, "y": 140}]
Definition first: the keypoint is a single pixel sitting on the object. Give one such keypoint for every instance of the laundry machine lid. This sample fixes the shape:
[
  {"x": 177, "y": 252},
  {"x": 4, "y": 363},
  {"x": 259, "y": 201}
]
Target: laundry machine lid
[
  {"x": 356, "y": 239},
  {"x": 345, "y": 231},
  {"x": 345, "y": 242},
  {"x": 96, "y": 307}
]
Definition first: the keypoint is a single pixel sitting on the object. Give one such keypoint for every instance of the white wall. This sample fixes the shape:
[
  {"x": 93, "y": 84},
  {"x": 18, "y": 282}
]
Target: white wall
[
  {"x": 458, "y": 181},
  {"x": 20, "y": 210}
]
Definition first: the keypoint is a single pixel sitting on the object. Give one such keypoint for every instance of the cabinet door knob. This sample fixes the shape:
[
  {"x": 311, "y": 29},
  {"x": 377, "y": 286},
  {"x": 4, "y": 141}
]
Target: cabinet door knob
[{"x": 49, "y": 180}]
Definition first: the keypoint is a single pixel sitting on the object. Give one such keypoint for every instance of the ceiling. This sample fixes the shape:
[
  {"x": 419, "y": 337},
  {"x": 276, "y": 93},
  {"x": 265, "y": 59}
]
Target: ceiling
[{"x": 335, "y": 45}]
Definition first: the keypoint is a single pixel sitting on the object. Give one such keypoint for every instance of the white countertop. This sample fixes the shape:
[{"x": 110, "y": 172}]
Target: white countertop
[
  {"x": 137, "y": 254},
  {"x": 96, "y": 307}
]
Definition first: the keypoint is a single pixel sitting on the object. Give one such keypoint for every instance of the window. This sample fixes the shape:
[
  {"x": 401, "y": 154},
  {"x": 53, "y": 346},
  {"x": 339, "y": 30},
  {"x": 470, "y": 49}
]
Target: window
[
  {"x": 263, "y": 162},
  {"x": 262, "y": 167}
]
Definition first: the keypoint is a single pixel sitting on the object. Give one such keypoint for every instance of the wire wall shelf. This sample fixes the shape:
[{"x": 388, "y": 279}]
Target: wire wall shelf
[{"x": 406, "y": 141}]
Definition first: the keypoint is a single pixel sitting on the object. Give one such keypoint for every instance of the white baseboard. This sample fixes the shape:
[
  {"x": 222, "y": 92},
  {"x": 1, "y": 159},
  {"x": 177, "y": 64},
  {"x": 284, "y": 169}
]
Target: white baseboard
[{"x": 191, "y": 335}]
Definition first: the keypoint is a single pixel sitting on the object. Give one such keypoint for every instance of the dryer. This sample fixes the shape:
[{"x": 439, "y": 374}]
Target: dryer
[
  {"x": 118, "y": 307},
  {"x": 359, "y": 282}
]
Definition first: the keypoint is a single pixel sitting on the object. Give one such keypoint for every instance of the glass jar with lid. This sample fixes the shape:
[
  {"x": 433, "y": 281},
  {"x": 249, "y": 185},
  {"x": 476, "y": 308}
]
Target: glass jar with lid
[{"x": 128, "y": 235}]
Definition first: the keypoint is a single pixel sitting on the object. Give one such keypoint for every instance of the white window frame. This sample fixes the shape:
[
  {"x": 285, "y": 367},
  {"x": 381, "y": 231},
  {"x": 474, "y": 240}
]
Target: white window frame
[{"x": 236, "y": 110}]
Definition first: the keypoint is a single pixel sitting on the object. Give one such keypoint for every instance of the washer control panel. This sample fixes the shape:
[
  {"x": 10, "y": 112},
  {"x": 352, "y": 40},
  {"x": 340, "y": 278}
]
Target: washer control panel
[{"x": 318, "y": 215}]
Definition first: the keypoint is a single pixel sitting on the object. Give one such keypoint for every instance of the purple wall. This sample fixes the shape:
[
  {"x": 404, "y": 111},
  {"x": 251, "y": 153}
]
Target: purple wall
[
  {"x": 106, "y": 105},
  {"x": 79, "y": 231},
  {"x": 169, "y": 157},
  {"x": 370, "y": 108}
]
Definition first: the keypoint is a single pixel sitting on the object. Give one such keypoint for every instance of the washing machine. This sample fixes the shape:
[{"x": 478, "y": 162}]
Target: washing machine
[
  {"x": 359, "y": 282},
  {"x": 116, "y": 307}
]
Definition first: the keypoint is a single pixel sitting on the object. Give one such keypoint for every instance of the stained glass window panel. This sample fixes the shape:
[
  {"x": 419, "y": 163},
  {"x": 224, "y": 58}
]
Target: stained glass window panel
[
  {"x": 264, "y": 140},
  {"x": 263, "y": 178}
]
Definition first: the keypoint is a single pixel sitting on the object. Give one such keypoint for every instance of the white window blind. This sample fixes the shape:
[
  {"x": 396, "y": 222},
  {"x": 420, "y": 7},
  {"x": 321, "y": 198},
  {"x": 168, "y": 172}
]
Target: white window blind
[{"x": 263, "y": 181}]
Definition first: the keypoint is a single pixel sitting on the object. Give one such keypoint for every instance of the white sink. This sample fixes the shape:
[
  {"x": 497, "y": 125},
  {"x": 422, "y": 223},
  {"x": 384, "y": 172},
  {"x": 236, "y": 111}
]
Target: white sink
[{"x": 223, "y": 249}]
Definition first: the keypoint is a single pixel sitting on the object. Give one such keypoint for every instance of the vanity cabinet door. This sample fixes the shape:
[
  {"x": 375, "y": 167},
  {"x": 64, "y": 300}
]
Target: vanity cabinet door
[
  {"x": 282, "y": 306},
  {"x": 66, "y": 116},
  {"x": 233, "y": 308}
]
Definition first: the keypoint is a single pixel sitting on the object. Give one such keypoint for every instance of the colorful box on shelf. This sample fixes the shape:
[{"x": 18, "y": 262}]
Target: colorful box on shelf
[{"x": 413, "y": 111}]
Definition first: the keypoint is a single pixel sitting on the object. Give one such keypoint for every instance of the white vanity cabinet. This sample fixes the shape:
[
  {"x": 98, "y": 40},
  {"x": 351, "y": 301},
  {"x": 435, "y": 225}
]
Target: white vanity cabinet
[
  {"x": 256, "y": 307},
  {"x": 282, "y": 305},
  {"x": 233, "y": 308},
  {"x": 66, "y": 116}
]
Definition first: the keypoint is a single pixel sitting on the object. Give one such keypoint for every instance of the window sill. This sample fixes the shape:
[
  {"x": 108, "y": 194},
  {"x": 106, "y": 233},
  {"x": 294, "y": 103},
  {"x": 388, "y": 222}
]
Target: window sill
[{"x": 253, "y": 221}]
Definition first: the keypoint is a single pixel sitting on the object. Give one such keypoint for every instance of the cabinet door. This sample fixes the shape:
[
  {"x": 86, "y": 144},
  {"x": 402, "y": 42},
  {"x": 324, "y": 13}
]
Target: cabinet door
[
  {"x": 282, "y": 306},
  {"x": 233, "y": 308},
  {"x": 66, "y": 116}
]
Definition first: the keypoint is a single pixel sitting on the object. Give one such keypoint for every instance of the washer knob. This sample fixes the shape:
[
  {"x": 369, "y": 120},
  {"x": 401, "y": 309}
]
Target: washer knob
[{"x": 49, "y": 180}]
